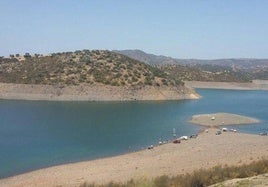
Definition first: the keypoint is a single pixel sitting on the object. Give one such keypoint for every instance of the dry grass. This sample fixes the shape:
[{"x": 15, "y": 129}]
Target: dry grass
[{"x": 200, "y": 178}]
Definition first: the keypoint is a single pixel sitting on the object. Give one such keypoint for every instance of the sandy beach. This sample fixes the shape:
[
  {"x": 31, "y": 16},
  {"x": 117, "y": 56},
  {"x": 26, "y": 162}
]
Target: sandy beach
[
  {"x": 205, "y": 151},
  {"x": 219, "y": 119}
]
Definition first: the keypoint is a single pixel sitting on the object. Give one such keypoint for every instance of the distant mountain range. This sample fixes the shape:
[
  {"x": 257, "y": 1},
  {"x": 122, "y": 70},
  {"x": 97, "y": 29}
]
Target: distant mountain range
[
  {"x": 236, "y": 63},
  {"x": 125, "y": 68},
  {"x": 226, "y": 70},
  {"x": 148, "y": 58}
]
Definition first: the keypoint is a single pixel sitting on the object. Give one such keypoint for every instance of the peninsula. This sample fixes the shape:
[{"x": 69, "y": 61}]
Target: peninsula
[{"x": 97, "y": 75}]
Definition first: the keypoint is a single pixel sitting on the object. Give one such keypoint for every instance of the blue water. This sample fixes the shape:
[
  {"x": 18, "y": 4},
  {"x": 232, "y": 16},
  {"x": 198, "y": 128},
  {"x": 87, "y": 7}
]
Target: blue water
[{"x": 37, "y": 134}]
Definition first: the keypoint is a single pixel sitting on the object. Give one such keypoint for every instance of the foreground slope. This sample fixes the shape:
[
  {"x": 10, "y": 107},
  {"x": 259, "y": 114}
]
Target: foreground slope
[{"x": 256, "y": 181}]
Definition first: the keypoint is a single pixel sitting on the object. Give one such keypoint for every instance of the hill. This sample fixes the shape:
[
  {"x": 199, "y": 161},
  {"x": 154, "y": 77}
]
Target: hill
[
  {"x": 96, "y": 67},
  {"x": 208, "y": 73},
  {"x": 87, "y": 75},
  {"x": 239, "y": 63},
  {"x": 221, "y": 70},
  {"x": 147, "y": 58}
]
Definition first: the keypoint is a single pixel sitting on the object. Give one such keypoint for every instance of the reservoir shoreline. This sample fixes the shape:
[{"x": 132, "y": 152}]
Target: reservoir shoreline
[
  {"x": 206, "y": 151},
  {"x": 254, "y": 85},
  {"x": 86, "y": 92},
  {"x": 170, "y": 159}
]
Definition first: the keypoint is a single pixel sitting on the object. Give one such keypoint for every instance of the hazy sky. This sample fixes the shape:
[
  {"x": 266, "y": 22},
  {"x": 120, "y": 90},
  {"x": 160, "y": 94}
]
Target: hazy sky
[{"x": 183, "y": 29}]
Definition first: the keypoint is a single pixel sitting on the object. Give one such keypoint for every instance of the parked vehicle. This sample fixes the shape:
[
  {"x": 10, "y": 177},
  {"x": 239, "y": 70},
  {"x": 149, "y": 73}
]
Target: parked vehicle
[
  {"x": 176, "y": 141},
  {"x": 194, "y": 136},
  {"x": 263, "y": 134}
]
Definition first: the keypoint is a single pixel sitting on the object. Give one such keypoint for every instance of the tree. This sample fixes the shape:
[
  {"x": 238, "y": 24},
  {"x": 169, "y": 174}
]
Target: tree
[{"x": 27, "y": 55}]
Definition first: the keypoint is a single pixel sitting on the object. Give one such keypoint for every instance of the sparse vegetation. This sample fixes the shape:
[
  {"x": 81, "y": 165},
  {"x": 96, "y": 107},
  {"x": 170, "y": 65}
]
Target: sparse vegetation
[
  {"x": 220, "y": 70},
  {"x": 109, "y": 68},
  {"x": 206, "y": 73},
  {"x": 92, "y": 67},
  {"x": 198, "y": 178}
]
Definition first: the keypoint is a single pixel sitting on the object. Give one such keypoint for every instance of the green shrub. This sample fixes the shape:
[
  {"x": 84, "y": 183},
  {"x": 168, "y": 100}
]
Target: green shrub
[
  {"x": 85, "y": 59},
  {"x": 162, "y": 181}
]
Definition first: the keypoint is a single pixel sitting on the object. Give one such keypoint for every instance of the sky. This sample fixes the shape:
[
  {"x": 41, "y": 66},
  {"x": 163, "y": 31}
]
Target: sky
[{"x": 204, "y": 29}]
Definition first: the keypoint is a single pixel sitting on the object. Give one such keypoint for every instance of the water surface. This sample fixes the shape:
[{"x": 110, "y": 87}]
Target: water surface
[{"x": 36, "y": 134}]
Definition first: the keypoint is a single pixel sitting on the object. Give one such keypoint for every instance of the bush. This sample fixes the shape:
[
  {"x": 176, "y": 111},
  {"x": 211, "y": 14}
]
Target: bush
[
  {"x": 148, "y": 81},
  {"x": 85, "y": 59},
  {"x": 162, "y": 181}
]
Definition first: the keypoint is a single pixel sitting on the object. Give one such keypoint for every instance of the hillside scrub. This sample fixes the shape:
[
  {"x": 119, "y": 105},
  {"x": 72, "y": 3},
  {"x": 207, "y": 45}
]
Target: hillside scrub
[
  {"x": 97, "y": 67},
  {"x": 210, "y": 73}
]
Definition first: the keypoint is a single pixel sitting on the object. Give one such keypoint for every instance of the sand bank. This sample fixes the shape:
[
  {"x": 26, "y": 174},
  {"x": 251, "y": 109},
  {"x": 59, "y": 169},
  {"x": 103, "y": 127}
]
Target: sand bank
[
  {"x": 206, "y": 151},
  {"x": 254, "y": 85},
  {"x": 218, "y": 119},
  {"x": 88, "y": 92}
]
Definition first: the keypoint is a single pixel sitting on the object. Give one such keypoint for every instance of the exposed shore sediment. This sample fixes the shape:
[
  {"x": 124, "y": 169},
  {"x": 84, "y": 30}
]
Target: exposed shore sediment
[
  {"x": 218, "y": 119},
  {"x": 205, "y": 151},
  {"x": 254, "y": 85},
  {"x": 88, "y": 92}
]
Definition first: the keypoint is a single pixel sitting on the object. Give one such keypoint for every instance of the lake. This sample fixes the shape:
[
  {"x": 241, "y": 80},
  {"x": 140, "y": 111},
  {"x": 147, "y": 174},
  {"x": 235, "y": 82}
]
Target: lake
[{"x": 37, "y": 134}]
